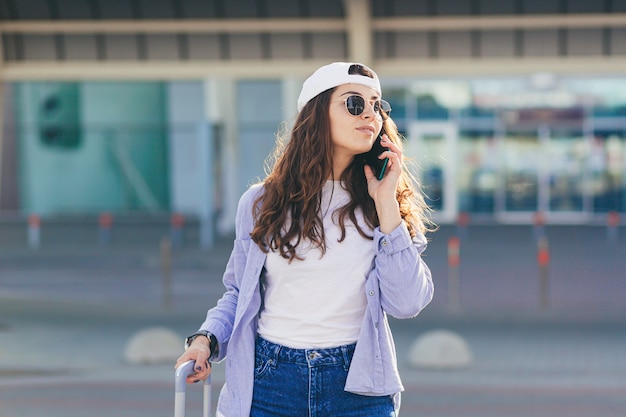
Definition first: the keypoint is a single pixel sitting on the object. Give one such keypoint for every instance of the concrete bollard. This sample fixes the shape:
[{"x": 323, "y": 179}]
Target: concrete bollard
[
  {"x": 153, "y": 345},
  {"x": 441, "y": 350}
]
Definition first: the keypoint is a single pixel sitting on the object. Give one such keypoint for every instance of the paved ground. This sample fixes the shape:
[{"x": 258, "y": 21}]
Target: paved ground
[{"x": 67, "y": 312}]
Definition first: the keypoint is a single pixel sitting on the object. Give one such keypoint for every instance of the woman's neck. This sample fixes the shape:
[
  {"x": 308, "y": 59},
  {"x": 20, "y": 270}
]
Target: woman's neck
[{"x": 340, "y": 164}]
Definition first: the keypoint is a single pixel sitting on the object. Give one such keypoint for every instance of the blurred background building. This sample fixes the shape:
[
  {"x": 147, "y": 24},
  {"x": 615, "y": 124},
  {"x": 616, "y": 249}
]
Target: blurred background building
[{"x": 152, "y": 107}]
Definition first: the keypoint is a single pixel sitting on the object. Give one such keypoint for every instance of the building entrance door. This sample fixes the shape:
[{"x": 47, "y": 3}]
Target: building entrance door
[
  {"x": 539, "y": 168},
  {"x": 544, "y": 171},
  {"x": 433, "y": 145}
]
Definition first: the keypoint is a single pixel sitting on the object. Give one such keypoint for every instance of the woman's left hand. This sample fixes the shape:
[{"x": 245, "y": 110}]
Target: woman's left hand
[{"x": 383, "y": 192}]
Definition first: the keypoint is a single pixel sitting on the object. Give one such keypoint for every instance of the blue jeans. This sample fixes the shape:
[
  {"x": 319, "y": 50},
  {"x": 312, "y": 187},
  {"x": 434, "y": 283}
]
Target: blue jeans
[{"x": 309, "y": 383}]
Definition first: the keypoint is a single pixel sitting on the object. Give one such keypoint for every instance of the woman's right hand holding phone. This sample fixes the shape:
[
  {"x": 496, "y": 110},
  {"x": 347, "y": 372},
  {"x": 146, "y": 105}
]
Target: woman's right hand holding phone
[{"x": 383, "y": 192}]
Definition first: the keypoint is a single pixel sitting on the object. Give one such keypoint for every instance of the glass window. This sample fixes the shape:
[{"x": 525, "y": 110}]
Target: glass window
[
  {"x": 477, "y": 176},
  {"x": 521, "y": 171},
  {"x": 59, "y": 115},
  {"x": 429, "y": 109},
  {"x": 477, "y": 112},
  {"x": 567, "y": 154},
  {"x": 429, "y": 152},
  {"x": 609, "y": 111},
  {"x": 607, "y": 177},
  {"x": 259, "y": 114},
  {"x": 397, "y": 99}
]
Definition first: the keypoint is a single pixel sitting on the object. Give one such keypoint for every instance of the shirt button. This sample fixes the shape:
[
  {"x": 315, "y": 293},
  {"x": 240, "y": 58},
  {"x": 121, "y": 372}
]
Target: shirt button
[
  {"x": 371, "y": 292},
  {"x": 384, "y": 243}
]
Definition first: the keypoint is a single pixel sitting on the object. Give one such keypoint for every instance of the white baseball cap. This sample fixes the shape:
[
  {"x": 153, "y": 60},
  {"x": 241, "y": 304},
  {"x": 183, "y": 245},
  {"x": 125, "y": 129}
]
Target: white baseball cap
[{"x": 332, "y": 75}]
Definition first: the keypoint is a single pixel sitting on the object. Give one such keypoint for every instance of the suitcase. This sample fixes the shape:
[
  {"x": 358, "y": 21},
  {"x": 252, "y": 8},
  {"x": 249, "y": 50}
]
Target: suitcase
[{"x": 182, "y": 372}]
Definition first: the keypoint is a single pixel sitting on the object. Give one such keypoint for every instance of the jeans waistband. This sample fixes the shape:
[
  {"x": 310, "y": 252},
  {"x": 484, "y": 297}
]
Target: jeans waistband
[{"x": 340, "y": 355}]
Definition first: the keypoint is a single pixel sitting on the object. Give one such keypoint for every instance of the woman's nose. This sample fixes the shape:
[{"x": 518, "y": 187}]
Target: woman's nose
[{"x": 369, "y": 110}]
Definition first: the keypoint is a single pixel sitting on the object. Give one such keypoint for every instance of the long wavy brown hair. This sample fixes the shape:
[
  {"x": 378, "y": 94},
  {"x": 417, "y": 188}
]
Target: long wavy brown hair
[{"x": 288, "y": 211}]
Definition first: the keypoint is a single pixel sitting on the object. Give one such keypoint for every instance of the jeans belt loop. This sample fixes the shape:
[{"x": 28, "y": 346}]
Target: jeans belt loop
[
  {"x": 346, "y": 358},
  {"x": 276, "y": 354}
]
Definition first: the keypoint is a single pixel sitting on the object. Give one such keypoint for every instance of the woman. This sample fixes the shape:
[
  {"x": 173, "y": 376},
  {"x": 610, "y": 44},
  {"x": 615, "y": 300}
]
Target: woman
[{"x": 324, "y": 250}]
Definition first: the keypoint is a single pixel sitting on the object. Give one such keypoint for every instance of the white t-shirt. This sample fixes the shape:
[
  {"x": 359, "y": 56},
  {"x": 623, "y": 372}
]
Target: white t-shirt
[{"x": 319, "y": 301}]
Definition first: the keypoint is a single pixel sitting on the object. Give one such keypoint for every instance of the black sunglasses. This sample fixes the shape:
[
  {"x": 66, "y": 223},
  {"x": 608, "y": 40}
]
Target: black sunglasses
[{"x": 356, "y": 106}]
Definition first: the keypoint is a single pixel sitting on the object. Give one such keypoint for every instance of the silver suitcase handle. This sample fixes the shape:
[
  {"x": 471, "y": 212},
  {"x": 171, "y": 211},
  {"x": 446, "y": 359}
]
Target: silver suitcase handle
[{"x": 182, "y": 372}]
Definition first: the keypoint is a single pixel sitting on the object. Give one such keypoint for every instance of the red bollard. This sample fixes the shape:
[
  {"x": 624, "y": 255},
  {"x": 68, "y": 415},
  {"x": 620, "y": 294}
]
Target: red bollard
[
  {"x": 543, "y": 260},
  {"x": 177, "y": 221},
  {"x": 462, "y": 222},
  {"x": 105, "y": 223},
  {"x": 34, "y": 231},
  {"x": 612, "y": 224},
  {"x": 454, "y": 279}
]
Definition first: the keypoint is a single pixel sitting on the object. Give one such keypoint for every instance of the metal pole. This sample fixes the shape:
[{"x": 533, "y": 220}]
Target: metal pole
[
  {"x": 454, "y": 278},
  {"x": 1, "y": 116},
  {"x": 543, "y": 260},
  {"x": 539, "y": 225},
  {"x": 177, "y": 222},
  {"x": 166, "y": 267}
]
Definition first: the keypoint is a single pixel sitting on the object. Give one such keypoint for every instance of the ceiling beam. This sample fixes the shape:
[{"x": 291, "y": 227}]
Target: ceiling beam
[
  {"x": 174, "y": 26},
  {"x": 316, "y": 25},
  {"x": 194, "y": 70},
  {"x": 486, "y": 23}
]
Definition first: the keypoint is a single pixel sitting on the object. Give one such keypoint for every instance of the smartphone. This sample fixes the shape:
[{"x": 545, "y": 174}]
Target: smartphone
[{"x": 371, "y": 158}]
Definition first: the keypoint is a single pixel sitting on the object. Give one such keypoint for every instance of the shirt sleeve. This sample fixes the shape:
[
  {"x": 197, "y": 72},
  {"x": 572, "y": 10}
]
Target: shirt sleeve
[
  {"x": 220, "y": 319},
  {"x": 404, "y": 280}
]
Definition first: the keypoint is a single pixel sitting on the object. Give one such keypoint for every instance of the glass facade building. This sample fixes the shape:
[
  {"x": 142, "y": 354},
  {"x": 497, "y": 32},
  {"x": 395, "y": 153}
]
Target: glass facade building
[
  {"x": 513, "y": 147},
  {"x": 498, "y": 149},
  {"x": 509, "y": 108}
]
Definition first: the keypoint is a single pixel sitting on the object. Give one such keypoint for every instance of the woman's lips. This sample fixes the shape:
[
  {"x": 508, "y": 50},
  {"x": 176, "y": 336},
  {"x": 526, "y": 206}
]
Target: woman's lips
[{"x": 366, "y": 129}]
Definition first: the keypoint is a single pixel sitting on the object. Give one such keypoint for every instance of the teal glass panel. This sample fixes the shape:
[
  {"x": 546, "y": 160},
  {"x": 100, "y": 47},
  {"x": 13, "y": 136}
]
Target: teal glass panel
[
  {"x": 88, "y": 147},
  {"x": 58, "y": 115},
  {"x": 397, "y": 99},
  {"x": 259, "y": 115},
  {"x": 429, "y": 109}
]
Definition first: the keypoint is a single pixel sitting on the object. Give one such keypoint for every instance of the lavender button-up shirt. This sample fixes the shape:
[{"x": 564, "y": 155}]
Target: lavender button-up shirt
[{"x": 398, "y": 284}]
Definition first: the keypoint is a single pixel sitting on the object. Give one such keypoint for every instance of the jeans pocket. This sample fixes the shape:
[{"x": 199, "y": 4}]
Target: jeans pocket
[{"x": 262, "y": 366}]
